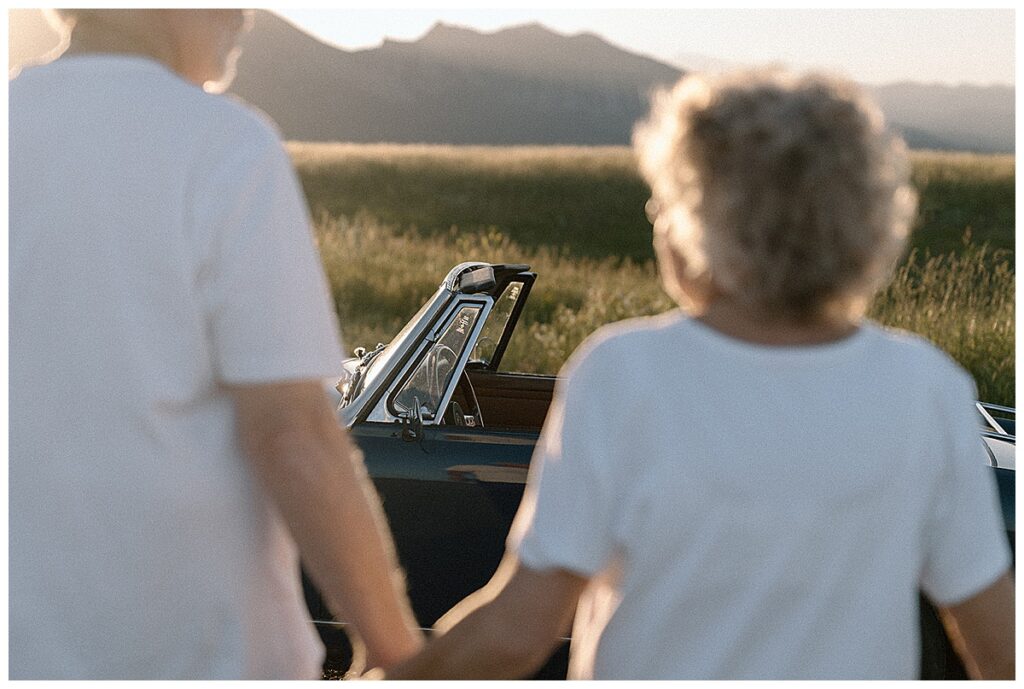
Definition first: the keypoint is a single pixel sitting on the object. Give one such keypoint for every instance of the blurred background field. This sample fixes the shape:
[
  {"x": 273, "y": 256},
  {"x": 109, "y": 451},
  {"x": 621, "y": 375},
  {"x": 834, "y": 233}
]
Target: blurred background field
[{"x": 391, "y": 220}]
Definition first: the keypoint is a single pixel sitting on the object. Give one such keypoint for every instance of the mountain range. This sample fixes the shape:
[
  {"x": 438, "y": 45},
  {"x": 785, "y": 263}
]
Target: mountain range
[{"x": 521, "y": 85}]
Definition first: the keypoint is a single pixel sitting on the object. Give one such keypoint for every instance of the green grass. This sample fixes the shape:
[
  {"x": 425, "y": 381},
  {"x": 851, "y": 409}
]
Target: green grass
[
  {"x": 380, "y": 276},
  {"x": 401, "y": 221},
  {"x": 590, "y": 200},
  {"x": 963, "y": 192}
]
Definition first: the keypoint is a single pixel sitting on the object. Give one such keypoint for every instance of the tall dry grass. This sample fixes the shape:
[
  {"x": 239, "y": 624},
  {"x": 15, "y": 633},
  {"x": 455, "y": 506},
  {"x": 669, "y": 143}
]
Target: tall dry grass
[
  {"x": 381, "y": 275},
  {"x": 391, "y": 221},
  {"x": 964, "y": 303}
]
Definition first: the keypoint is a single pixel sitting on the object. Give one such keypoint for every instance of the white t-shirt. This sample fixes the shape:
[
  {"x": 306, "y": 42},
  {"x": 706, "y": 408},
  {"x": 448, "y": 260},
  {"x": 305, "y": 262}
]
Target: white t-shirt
[
  {"x": 159, "y": 247},
  {"x": 759, "y": 512}
]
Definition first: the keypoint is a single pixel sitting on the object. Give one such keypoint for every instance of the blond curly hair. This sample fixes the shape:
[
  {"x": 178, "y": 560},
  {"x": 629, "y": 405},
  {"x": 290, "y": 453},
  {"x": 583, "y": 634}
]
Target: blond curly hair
[{"x": 784, "y": 192}]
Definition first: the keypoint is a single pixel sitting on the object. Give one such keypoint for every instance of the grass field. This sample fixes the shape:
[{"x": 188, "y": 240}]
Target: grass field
[
  {"x": 391, "y": 220},
  {"x": 590, "y": 200}
]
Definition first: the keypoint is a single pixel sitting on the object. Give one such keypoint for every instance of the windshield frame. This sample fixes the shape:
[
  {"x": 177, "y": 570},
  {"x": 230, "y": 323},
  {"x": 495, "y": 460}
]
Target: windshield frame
[{"x": 396, "y": 351}]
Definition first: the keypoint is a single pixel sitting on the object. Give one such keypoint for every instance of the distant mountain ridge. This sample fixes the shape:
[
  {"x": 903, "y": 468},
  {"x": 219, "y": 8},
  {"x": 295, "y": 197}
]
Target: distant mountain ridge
[
  {"x": 529, "y": 85},
  {"x": 965, "y": 117},
  {"x": 536, "y": 52},
  {"x": 520, "y": 85}
]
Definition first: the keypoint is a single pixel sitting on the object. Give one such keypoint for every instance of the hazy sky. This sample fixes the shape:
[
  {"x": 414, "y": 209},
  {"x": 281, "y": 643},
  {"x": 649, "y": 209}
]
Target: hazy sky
[{"x": 870, "y": 45}]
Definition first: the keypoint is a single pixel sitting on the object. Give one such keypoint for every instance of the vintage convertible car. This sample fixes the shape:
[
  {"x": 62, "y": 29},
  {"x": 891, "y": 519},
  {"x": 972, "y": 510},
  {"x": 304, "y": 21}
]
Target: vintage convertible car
[{"x": 447, "y": 438}]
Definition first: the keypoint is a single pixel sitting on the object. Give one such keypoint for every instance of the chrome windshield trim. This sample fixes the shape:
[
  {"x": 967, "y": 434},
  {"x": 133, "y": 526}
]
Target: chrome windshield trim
[
  {"x": 985, "y": 409},
  {"x": 381, "y": 372},
  {"x": 380, "y": 412},
  {"x": 396, "y": 352},
  {"x": 451, "y": 281}
]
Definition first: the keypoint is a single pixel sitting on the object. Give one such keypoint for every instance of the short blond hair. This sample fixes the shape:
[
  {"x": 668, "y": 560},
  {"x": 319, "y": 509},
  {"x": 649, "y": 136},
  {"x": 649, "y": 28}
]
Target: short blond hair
[{"x": 783, "y": 191}]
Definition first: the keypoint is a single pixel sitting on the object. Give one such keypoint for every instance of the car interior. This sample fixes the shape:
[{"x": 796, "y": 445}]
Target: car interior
[{"x": 501, "y": 401}]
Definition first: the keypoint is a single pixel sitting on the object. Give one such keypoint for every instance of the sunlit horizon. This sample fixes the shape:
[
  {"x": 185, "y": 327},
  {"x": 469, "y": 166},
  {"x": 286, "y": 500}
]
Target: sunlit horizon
[{"x": 875, "y": 46}]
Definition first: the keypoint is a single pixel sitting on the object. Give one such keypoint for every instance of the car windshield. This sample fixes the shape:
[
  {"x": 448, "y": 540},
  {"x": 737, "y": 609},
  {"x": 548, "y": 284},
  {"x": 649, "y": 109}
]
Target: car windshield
[
  {"x": 428, "y": 382},
  {"x": 493, "y": 329},
  {"x": 380, "y": 362}
]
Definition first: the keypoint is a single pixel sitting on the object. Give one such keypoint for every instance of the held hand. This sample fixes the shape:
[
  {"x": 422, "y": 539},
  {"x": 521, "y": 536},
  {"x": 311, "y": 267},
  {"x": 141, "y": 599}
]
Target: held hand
[
  {"x": 401, "y": 648},
  {"x": 367, "y": 665}
]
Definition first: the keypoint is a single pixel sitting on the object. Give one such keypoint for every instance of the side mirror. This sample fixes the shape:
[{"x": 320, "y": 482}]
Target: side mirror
[{"x": 412, "y": 422}]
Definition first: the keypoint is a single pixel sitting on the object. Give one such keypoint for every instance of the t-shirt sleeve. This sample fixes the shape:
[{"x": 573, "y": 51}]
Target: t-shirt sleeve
[
  {"x": 565, "y": 520},
  {"x": 270, "y": 315},
  {"x": 966, "y": 546}
]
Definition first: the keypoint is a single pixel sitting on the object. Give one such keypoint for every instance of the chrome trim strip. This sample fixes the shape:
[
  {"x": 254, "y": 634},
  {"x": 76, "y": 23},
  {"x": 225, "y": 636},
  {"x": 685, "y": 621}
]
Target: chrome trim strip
[
  {"x": 487, "y": 436},
  {"x": 983, "y": 409},
  {"x": 996, "y": 407},
  {"x": 995, "y": 435}
]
